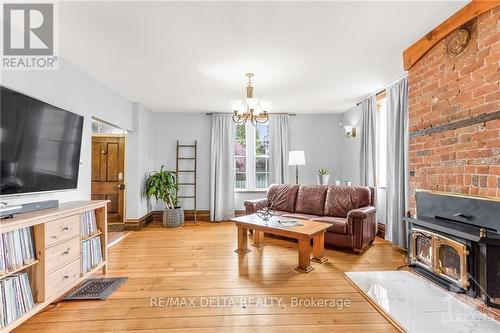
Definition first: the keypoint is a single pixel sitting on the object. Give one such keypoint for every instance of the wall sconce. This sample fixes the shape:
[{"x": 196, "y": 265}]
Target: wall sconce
[{"x": 350, "y": 132}]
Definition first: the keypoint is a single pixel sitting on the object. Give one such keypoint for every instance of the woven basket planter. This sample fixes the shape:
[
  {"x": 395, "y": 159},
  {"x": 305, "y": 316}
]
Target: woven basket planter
[{"x": 173, "y": 218}]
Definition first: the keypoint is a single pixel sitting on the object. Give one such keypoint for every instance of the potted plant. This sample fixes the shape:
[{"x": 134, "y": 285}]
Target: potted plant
[
  {"x": 323, "y": 176},
  {"x": 162, "y": 186}
]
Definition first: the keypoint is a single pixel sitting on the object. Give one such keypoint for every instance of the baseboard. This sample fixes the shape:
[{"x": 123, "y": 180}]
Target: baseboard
[
  {"x": 201, "y": 215},
  {"x": 138, "y": 224},
  {"x": 381, "y": 230},
  {"x": 157, "y": 216}
]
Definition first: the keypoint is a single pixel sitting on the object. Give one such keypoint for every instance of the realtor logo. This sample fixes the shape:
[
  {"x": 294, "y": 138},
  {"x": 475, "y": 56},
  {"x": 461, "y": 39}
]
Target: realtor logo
[
  {"x": 28, "y": 29},
  {"x": 29, "y": 36}
]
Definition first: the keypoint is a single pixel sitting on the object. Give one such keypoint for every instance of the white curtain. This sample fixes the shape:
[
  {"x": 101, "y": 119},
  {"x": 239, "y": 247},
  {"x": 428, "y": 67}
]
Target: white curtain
[
  {"x": 222, "y": 168},
  {"x": 397, "y": 161},
  {"x": 279, "y": 146},
  {"x": 368, "y": 165}
]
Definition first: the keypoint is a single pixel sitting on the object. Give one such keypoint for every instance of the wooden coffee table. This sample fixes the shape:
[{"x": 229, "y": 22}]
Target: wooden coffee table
[{"x": 304, "y": 233}]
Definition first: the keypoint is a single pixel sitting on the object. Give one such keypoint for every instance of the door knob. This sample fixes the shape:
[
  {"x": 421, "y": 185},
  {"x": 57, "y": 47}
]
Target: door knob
[{"x": 121, "y": 186}]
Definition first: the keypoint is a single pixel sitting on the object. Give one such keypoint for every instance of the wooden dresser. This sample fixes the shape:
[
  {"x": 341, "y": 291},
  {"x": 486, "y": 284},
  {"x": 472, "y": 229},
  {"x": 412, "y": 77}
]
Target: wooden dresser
[{"x": 58, "y": 246}]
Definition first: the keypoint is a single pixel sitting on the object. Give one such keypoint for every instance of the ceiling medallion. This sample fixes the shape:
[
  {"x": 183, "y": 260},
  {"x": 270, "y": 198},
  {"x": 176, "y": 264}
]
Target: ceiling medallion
[
  {"x": 458, "y": 42},
  {"x": 251, "y": 109}
]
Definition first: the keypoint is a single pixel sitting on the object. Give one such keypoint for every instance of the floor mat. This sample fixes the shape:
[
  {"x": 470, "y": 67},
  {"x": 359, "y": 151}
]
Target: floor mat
[{"x": 95, "y": 289}]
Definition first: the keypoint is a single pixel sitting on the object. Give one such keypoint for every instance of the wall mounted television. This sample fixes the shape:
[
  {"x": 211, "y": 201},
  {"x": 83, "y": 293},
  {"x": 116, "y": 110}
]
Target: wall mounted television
[{"x": 39, "y": 145}]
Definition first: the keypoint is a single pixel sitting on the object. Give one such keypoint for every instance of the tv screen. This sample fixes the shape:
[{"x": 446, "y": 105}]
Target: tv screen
[{"x": 39, "y": 145}]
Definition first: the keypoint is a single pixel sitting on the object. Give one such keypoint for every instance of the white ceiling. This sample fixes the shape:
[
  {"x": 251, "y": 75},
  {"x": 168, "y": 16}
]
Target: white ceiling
[{"x": 191, "y": 57}]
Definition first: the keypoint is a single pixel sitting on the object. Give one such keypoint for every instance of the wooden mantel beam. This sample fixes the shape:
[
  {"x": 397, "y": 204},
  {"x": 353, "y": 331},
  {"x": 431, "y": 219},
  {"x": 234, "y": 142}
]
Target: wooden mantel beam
[{"x": 473, "y": 9}]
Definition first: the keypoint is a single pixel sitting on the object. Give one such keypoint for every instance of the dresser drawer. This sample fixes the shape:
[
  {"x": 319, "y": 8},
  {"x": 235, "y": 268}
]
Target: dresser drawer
[
  {"x": 62, "y": 278},
  {"x": 62, "y": 253},
  {"x": 62, "y": 229}
]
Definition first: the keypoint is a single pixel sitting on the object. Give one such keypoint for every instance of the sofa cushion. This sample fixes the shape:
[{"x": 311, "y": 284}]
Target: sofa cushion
[
  {"x": 283, "y": 196},
  {"x": 339, "y": 224},
  {"x": 300, "y": 216},
  {"x": 311, "y": 199},
  {"x": 340, "y": 200}
]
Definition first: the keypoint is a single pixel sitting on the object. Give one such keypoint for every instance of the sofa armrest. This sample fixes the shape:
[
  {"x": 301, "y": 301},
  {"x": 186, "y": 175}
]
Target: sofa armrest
[
  {"x": 251, "y": 205},
  {"x": 361, "y": 213},
  {"x": 362, "y": 225}
]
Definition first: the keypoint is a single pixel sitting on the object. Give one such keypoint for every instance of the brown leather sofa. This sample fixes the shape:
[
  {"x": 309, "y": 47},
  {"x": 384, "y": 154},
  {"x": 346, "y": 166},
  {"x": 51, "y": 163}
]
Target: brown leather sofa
[{"x": 349, "y": 209}]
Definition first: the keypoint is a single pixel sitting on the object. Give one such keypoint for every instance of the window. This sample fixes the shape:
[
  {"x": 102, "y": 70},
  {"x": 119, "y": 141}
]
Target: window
[
  {"x": 381, "y": 139},
  {"x": 251, "y": 156}
]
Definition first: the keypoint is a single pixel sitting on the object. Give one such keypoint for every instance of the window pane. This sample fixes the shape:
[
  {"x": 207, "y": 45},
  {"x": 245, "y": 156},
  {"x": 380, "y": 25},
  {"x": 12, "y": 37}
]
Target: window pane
[
  {"x": 240, "y": 164},
  {"x": 240, "y": 152},
  {"x": 262, "y": 164},
  {"x": 241, "y": 180},
  {"x": 261, "y": 179},
  {"x": 240, "y": 133},
  {"x": 262, "y": 132},
  {"x": 262, "y": 148},
  {"x": 240, "y": 148}
]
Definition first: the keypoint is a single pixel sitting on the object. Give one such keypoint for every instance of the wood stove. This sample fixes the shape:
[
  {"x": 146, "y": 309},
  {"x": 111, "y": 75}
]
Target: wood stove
[
  {"x": 455, "y": 241},
  {"x": 443, "y": 256}
]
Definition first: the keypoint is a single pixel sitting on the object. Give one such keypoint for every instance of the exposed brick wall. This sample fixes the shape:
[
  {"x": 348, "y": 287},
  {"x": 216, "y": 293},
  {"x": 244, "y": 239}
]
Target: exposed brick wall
[{"x": 445, "y": 88}]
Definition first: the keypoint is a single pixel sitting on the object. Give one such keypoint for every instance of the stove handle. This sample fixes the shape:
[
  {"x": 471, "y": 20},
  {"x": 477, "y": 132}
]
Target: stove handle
[{"x": 467, "y": 217}]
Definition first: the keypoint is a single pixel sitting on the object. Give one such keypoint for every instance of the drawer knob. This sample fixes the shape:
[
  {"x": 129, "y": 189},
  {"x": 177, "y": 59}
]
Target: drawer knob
[
  {"x": 66, "y": 228},
  {"x": 67, "y": 251},
  {"x": 66, "y": 277}
]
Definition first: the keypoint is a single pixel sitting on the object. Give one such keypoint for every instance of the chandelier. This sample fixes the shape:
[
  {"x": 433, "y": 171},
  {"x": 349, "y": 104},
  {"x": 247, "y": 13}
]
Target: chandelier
[{"x": 252, "y": 109}]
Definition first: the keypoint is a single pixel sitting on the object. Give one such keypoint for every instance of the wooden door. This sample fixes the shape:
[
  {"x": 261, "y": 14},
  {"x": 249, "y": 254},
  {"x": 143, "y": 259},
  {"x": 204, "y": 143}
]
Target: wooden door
[{"x": 108, "y": 162}]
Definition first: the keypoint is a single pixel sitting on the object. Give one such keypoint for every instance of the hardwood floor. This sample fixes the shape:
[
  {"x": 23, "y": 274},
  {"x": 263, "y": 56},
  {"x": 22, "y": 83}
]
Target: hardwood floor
[{"x": 198, "y": 261}]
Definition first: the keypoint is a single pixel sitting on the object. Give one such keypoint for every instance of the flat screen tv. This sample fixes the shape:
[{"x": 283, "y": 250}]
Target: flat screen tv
[{"x": 39, "y": 145}]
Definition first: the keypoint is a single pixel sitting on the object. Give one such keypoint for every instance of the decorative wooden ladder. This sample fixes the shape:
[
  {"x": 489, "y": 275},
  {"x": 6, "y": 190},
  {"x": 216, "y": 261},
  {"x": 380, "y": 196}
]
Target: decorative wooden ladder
[{"x": 192, "y": 157}]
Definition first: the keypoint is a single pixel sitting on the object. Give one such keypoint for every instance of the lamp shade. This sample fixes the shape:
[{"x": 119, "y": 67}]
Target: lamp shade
[
  {"x": 265, "y": 105},
  {"x": 235, "y": 105},
  {"x": 252, "y": 103},
  {"x": 296, "y": 157}
]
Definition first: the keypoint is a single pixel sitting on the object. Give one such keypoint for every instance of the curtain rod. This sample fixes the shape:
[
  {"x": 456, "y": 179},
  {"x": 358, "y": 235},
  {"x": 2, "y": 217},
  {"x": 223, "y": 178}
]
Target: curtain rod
[
  {"x": 381, "y": 90},
  {"x": 211, "y": 113}
]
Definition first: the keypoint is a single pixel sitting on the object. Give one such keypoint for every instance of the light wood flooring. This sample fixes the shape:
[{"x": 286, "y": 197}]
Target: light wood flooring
[{"x": 198, "y": 261}]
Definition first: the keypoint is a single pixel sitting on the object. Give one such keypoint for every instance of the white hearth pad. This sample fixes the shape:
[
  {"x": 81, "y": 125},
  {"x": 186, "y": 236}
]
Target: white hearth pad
[{"x": 419, "y": 306}]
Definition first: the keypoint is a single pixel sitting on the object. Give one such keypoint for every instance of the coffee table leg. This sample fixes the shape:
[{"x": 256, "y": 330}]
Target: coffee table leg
[
  {"x": 304, "y": 256},
  {"x": 319, "y": 249},
  {"x": 242, "y": 241},
  {"x": 258, "y": 239}
]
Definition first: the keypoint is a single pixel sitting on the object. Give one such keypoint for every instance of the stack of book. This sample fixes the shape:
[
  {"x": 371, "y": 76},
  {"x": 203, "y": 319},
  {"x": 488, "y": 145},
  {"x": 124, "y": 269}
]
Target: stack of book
[
  {"x": 16, "y": 249},
  {"x": 16, "y": 298},
  {"x": 91, "y": 254},
  {"x": 88, "y": 223}
]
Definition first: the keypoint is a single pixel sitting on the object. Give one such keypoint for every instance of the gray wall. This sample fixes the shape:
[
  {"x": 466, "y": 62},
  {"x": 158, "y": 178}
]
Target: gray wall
[
  {"x": 73, "y": 90},
  {"x": 307, "y": 131},
  {"x": 351, "y": 151},
  {"x": 320, "y": 137},
  {"x": 351, "y": 147},
  {"x": 185, "y": 127},
  {"x": 139, "y": 159}
]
